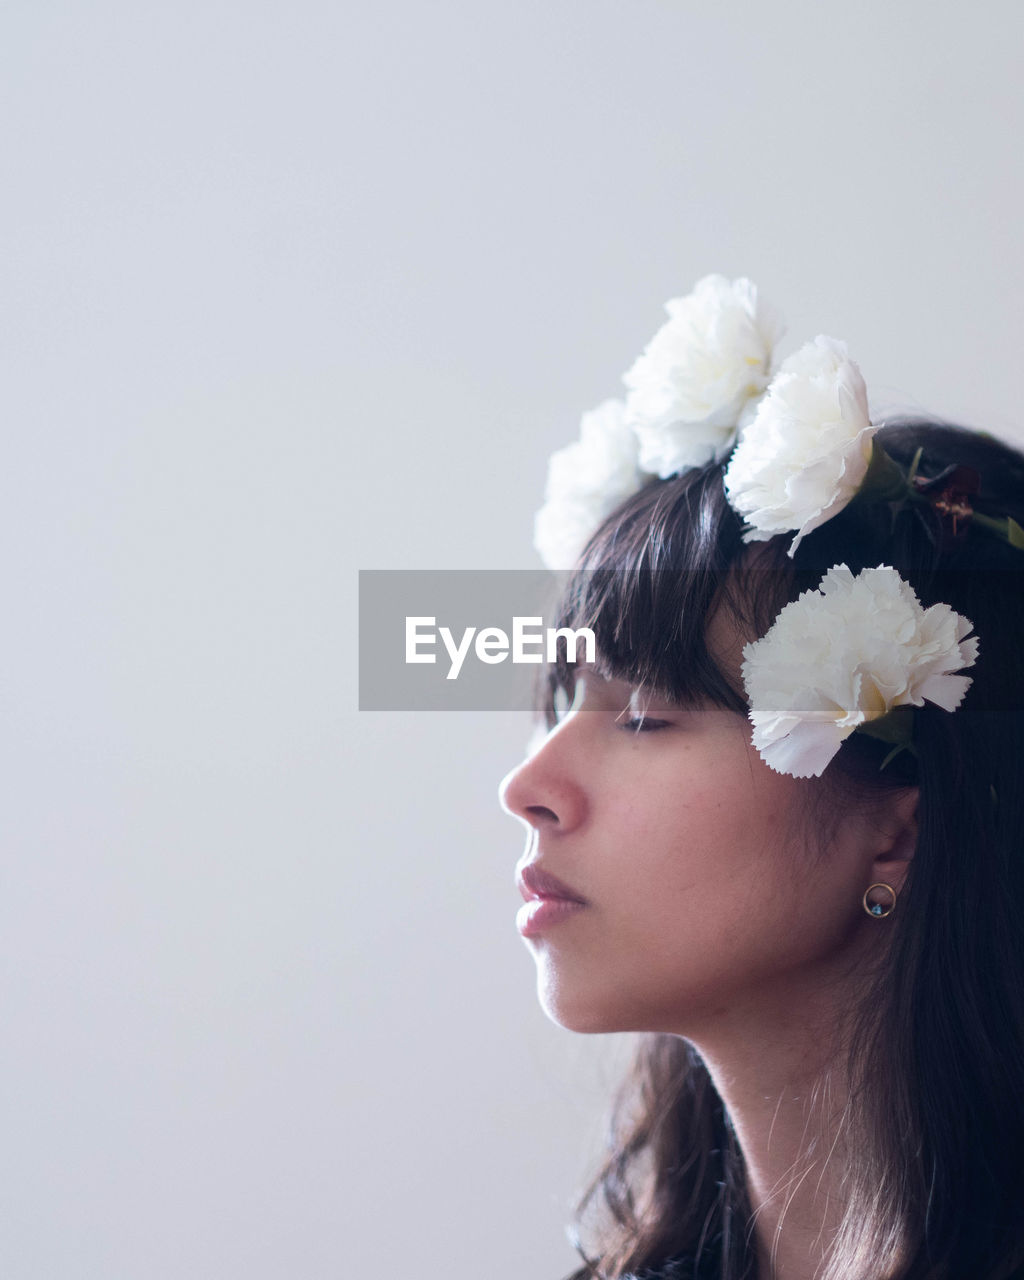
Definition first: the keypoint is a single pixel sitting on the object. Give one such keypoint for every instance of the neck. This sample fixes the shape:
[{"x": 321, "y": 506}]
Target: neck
[{"x": 780, "y": 1070}]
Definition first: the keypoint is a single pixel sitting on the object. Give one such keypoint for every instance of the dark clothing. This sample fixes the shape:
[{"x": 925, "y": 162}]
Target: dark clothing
[
  {"x": 676, "y": 1269},
  {"x": 687, "y": 1267}
]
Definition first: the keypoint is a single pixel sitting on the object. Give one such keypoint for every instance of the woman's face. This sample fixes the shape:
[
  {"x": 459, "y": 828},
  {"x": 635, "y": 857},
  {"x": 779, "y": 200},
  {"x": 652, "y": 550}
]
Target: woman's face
[{"x": 705, "y": 897}]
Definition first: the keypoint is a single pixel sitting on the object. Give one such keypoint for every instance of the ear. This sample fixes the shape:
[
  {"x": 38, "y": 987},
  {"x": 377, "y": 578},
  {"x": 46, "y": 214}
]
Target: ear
[{"x": 897, "y": 839}]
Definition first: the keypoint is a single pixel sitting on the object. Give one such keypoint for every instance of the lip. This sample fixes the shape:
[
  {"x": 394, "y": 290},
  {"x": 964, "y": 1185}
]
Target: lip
[
  {"x": 535, "y": 883},
  {"x": 547, "y": 900},
  {"x": 539, "y": 914}
]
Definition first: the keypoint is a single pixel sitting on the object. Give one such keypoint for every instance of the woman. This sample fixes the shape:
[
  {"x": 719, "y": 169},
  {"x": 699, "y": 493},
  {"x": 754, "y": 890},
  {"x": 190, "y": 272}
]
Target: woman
[{"x": 819, "y": 924}]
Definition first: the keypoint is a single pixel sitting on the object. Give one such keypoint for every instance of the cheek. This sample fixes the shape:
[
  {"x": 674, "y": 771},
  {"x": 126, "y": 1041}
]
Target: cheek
[
  {"x": 725, "y": 833},
  {"x": 704, "y": 882},
  {"x": 727, "y": 883}
]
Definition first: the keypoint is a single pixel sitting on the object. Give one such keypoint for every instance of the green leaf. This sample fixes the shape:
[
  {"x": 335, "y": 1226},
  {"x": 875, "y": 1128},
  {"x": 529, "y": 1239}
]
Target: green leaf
[
  {"x": 891, "y": 755},
  {"x": 884, "y": 480},
  {"x": 1014, "y": 533},
  {"x": 897, "y": 726}
]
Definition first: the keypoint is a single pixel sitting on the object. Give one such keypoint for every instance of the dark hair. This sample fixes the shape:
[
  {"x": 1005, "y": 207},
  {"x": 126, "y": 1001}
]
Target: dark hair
[{"x": 936, "y": 1062}]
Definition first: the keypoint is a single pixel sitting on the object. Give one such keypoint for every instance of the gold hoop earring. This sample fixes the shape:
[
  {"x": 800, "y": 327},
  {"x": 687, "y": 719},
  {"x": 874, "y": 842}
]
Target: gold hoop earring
[{"x": 875, "y": 909}]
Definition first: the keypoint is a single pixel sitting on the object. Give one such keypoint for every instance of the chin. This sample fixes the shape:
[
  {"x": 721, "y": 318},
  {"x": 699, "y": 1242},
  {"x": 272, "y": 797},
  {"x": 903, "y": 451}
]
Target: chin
[
  {"x": 583, "y": 1013},
  {"x": 596, "y": 1011}
]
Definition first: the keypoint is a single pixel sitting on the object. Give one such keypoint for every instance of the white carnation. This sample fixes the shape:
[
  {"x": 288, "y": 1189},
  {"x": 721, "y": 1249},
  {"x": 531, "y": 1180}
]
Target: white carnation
[
  {"x": 806, "y": 451},
  {"x": 700, "y": 373},
  {"x": 846, "y": 654},
  {"x": 586, "y": 481}
]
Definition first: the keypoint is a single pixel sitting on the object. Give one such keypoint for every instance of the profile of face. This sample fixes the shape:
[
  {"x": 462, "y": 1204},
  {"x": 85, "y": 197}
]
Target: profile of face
[{"x": 707, "y": 897}]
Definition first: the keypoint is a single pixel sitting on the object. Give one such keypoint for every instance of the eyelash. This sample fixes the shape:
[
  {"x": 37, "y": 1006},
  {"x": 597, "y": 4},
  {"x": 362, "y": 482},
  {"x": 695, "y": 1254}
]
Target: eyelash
[{"x": 644, "y": 724}]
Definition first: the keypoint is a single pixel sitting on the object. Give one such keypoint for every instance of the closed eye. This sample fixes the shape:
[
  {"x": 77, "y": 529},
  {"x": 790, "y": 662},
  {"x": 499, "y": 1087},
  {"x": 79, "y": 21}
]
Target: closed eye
[{"x": 644, "y": 724}]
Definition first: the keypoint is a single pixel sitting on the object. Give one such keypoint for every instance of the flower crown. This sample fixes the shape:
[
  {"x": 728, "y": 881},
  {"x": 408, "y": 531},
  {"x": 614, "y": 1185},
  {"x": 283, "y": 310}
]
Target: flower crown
[{"x": 859, "y": 651}]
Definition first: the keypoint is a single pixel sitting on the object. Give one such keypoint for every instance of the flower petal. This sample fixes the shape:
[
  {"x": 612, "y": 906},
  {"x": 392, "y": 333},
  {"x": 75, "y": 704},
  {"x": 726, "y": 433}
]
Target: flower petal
[
  {"x": 700, "y": 372},
  {"x": 806, "y": 451},
  {"x": 845, "y": 655}
]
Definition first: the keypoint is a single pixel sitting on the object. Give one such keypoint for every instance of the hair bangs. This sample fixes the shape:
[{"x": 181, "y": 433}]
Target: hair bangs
[{"x": 650, "y": 579}]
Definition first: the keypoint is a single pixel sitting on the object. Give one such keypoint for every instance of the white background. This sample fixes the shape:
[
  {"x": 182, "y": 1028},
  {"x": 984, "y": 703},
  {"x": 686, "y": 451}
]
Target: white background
[{"x": 290, "y": 290}]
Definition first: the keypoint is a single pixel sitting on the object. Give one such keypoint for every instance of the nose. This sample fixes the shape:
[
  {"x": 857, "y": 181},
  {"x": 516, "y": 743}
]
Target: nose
[{"x": 545, "y": 791}]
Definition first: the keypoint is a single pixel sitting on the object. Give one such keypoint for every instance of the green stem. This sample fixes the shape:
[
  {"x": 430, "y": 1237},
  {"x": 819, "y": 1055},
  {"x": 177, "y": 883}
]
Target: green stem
[{"x": 885, "y": 481}]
